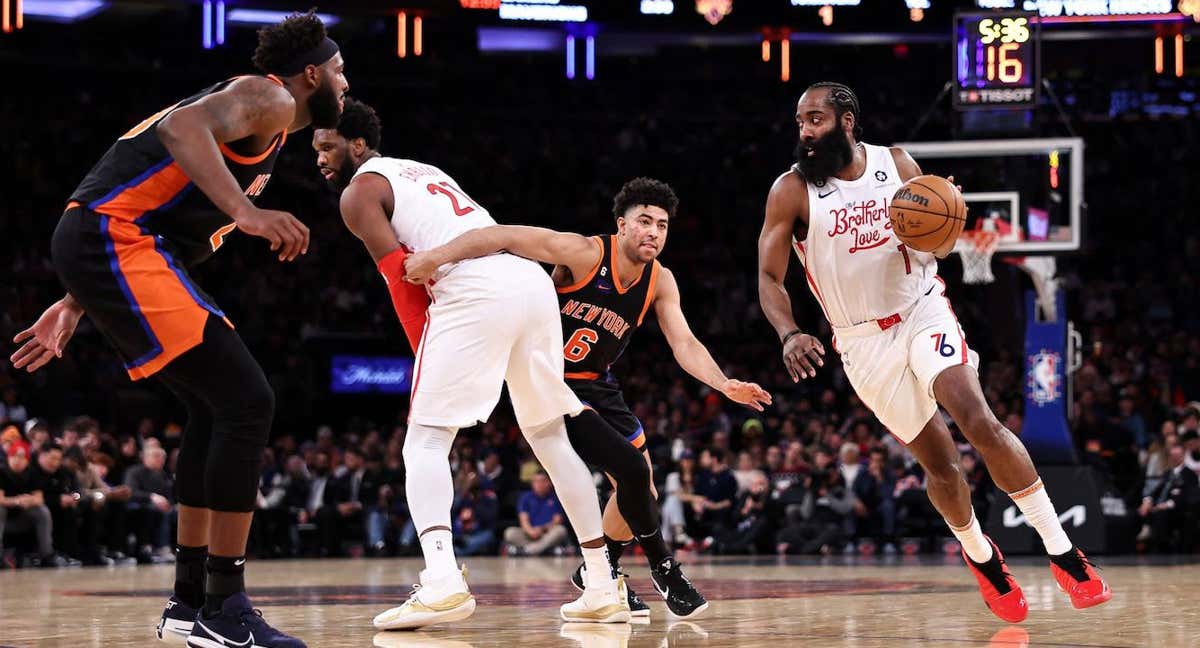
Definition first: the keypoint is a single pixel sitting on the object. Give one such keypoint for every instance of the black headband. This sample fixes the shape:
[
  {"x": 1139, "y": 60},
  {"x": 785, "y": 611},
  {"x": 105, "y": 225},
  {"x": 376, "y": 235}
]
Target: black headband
[{"x": 315, "y": 56}]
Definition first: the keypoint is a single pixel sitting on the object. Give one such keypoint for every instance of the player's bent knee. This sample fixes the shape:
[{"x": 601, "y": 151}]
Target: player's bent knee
[{"x": 943, "y": 474}]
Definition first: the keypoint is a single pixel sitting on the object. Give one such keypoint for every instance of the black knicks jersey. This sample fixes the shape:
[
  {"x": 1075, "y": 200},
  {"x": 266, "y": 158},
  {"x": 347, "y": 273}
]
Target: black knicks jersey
[
  {"x": 138, "y": 181},
  {"x": 599, "y": 316}
]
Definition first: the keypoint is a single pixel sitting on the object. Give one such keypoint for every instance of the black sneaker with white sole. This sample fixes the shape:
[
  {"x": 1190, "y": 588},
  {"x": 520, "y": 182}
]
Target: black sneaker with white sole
[
  {"x": 176, "y": 622},
  {"x": 637, "y": 607},
  {"x": 683, "y": 600}
]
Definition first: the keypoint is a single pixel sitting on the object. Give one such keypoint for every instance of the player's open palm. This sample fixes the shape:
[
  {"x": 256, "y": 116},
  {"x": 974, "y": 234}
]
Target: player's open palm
[
  {"x": 47, "y": 338},
  {"x": 420, "y": 266},
  {"x": 748, "y": 394},
  {"x": 802, "y": 354},
  {"x": 286, "y": 234}
]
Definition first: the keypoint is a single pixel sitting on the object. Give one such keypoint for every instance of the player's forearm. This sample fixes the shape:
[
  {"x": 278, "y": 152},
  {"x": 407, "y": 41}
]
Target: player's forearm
[
  {"x": 473, "y": 244},
  {"x": 194, "y": 148},
  {"x": 694, "y": 358},
  {"x": 776, "y": 304}
]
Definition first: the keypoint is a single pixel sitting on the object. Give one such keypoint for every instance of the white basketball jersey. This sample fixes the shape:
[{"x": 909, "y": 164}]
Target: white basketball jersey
[
  {"x": 856, "y": 267},
  {"x": 431, "y": 210}
]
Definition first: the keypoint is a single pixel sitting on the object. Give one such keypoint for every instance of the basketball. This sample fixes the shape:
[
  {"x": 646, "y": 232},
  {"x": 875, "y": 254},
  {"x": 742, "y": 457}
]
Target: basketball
[{"x": 928, "y": 214}]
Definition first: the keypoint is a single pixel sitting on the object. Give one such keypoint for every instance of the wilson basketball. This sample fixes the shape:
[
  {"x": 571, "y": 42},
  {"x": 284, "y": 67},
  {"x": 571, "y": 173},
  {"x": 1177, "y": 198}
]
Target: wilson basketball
[{"x": 928, "y": 214}]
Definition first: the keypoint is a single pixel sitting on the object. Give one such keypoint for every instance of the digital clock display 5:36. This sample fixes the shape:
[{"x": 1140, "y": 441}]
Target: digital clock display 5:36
[{"x": 995, "y": 60}]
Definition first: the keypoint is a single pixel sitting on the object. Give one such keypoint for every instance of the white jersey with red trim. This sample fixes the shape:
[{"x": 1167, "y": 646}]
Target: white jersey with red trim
[{"x": 856, "y": 266}]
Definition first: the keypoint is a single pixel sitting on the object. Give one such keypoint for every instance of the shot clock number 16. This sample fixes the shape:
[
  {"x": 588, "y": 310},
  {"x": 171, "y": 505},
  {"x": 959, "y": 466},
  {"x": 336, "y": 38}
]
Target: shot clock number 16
[{"x": 996, "y": 60}]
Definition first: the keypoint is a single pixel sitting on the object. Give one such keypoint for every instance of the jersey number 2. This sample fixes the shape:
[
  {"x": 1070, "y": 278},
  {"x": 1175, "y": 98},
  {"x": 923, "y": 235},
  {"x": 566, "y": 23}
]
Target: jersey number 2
[
  {"x": 580, "y": 344},
  {"x": 448, "y": 190}
]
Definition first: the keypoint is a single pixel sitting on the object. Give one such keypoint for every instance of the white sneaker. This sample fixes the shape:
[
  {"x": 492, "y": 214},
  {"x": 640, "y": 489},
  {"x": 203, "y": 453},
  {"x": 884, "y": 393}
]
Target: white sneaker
[
  {"x": 605, "y": 604},
  {"x": 443, "y": 600}
]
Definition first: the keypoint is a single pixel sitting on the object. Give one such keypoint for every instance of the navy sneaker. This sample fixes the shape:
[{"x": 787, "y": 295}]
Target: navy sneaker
[
  {"x": 238, "y": 626},
  {"x": 176, "y": 622}
]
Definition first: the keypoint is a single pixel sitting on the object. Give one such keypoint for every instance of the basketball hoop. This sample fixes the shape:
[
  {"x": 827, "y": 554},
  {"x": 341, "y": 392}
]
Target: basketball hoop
[{"x": 976, "y": 248}]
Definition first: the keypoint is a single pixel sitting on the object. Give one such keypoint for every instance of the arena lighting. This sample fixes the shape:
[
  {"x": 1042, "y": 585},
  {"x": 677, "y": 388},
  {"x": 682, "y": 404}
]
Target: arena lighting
[
  {"x": 766, "y": 50},
  {"x": 1114, "y": 8},
  {"x": 1058, "y": 20},
  {"x": 220, "y": 23},
  {"x": 826, "y": 14},
  {"x": 917, "y": 4},
  {"x": 1158, "y": 54},
  {"x": 570, "y": 57},
  {"x": 479, "y": 4},
  {"x": 590, "y": 64},
  {"x": 418, "y": 36},
  {"x": 402, "y": 34},
  {"x": 543, "y": 12},
  {"x": 826, "y": 3},
  {"x": 1179, "y": 55},
  {"x": 516, "y": 39},
  {"x": 658, "y": 7},
  {"x": 266, "y": 17},
  {"x": 996, "y": 4},
  {"x": 206, "y": 38},
  {"x": 785, "y": 60},
  {"x": 56, "y": 10},
  {"x": 714, "y": 11}
]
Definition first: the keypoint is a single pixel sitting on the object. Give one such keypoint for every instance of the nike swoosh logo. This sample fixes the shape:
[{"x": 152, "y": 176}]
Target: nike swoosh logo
[
  {"x": 228, "y": 642},
  {"x": 826, "y": 195},
  {"x": 239, "y": 563}
]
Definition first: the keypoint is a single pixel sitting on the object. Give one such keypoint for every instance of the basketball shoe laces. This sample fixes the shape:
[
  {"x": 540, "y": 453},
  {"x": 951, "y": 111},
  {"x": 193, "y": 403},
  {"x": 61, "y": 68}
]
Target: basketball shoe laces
[
  {"x": 994, "y": 571},
  {"x": 1075, "y": 565}
]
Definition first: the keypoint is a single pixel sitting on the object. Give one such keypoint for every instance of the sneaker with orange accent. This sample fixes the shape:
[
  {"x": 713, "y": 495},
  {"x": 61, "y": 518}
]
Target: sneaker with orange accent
[
  {"x": 1076, "y": 575},
  {"x": 999, "y": 589}
]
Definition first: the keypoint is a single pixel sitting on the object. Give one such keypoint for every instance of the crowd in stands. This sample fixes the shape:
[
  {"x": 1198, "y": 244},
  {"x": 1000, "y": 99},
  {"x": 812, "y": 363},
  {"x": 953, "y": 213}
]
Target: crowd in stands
[{"x": 89, "y": 455}]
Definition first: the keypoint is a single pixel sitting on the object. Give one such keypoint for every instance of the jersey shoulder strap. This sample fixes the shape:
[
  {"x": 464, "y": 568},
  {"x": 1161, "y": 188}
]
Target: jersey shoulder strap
[{"x": 586, "y": 279}]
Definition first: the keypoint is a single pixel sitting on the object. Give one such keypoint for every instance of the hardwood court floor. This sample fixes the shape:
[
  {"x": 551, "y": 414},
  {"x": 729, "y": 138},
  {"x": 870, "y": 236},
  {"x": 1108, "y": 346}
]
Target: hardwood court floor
[{"x": 760, "y": 602}]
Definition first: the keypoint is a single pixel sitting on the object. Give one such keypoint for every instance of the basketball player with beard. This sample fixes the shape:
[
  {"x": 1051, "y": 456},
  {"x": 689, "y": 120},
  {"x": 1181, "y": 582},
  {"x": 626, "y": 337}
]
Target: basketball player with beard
[
  {"x": 490, "y": 322},
  {"x": 900, "y": 343},
  {"x": 163, "y": 199}
]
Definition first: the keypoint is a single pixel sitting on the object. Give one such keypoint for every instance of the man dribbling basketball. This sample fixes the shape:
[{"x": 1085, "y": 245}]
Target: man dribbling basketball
[{"x": 900, "y": 343}]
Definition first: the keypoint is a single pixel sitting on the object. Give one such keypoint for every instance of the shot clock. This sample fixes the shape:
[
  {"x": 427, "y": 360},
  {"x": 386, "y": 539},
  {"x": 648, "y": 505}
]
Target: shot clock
[{"x": 996, "y": 60}]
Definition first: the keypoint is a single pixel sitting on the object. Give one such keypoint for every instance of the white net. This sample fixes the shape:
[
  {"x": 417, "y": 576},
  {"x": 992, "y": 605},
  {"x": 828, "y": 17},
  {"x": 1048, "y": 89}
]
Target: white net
[{"x": 975, "y": 248}]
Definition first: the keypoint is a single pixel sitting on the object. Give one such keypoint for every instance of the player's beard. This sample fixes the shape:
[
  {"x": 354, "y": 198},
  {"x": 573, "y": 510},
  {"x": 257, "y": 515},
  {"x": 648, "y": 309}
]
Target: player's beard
[
  {"x": 343, "y": 174},
  {"x": 831, "y": 153},
  {"x": 323, "y": 107}
]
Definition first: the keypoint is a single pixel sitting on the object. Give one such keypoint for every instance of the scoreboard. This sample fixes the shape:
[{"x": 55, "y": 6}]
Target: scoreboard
[{"x": 996, "y": 60}]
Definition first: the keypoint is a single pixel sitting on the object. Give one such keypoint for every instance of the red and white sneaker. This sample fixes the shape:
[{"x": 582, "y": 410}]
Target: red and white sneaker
[
  {"x": 999, "y": 589},
  {"x": 1076, "y": 575}
]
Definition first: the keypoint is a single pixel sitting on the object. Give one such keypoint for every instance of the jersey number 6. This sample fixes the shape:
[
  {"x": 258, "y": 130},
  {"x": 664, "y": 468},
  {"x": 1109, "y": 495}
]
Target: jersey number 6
[{"x": 580, "y": 344}]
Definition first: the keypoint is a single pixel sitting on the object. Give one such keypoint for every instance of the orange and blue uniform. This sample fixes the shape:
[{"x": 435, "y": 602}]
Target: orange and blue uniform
[
  {"x": 599, "y": 316},
  {"x": 131, "y": 230}
]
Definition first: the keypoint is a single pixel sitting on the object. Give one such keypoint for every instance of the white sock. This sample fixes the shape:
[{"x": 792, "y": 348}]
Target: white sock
[
  {"x": 430, "y": 492},
  {"x": 1035, "y": 503},
  {"x": 972, "y": 540},
  {"x": 598, "y": 571},
  {"x": 438, "y": 547}
]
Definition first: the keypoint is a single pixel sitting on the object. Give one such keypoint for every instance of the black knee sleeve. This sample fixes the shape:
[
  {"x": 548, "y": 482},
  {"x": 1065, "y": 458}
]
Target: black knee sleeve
[
  {"x": 601, "y": 445},
  {"x": 230, "y": 406},
  {"x": 235, "y": 453}
]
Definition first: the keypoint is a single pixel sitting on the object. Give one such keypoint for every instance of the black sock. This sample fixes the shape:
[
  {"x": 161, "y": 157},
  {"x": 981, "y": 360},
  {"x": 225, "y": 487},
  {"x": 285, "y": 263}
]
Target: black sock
[
  {"x": 226, "y": 577},
  {"x": 615, "y": 549},
  {"x": 655, "y": 548},
  {"x": 189, "y": 575}
]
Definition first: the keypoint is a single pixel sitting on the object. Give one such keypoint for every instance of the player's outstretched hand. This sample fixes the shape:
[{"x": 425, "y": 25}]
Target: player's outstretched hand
[
  {"x": 46, "y": 339},
  {"x": 802, "y": 354},
  {"x": 420, "y": 266},
  {"x": 287, "y": 235},
  {"x": 748, "y": 394}
]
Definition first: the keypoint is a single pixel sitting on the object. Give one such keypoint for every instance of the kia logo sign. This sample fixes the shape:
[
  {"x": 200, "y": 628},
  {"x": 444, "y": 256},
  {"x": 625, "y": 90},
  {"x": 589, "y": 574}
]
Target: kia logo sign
[{"x": 1076, "y": 516}]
